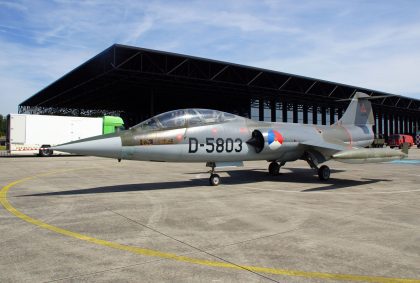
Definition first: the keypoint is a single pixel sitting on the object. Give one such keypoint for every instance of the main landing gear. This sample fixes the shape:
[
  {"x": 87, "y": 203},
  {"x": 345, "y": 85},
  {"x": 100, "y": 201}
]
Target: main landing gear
[
  {"x": 324, "y": 171},
  {"x": 274, "y": 168}
]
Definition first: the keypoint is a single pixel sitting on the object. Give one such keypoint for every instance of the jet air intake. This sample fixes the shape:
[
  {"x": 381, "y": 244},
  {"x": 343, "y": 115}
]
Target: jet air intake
[
  {"x": 269, "y": 139},
  {"x": 257, "y": 141}
]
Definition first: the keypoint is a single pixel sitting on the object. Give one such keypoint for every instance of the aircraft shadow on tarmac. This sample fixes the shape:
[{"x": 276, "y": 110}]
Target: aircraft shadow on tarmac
[{"x": 237, "y": 177}]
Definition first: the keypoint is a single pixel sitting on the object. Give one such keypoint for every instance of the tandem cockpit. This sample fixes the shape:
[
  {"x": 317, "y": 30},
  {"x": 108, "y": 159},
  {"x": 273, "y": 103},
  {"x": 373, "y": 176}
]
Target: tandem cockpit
[{"x": 185, "y": 118}]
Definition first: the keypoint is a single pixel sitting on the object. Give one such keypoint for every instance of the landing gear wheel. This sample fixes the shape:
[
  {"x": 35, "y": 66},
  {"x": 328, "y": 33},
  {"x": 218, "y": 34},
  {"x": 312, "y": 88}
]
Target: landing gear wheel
[
  {"x": 214, "y": 179},
  {"x": 45, "y": 151},
  {"x": 274, "y": 169},
  {"x": 324, "y": 172}
]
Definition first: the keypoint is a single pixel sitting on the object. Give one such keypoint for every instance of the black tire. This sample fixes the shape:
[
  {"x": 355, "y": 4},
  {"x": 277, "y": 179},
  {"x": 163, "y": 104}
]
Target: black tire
[
  {"x": 274, "y": 169},
  {"x": 45, "y": 151},
  {"x": 324, "y": 173},
  {"x": 214, "y": 179}
]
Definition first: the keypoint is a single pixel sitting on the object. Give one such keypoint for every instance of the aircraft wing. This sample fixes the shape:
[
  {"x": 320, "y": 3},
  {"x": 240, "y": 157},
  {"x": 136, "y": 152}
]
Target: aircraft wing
[
  {"x": 331, "y": 145},
  {"x": 320, "y": 151}
]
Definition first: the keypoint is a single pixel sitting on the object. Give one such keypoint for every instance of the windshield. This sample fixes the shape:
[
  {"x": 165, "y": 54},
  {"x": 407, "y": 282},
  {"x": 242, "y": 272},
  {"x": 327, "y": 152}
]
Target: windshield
[
  {"x": 185, "y": 118},
  {"x": 173, "y": 119}
]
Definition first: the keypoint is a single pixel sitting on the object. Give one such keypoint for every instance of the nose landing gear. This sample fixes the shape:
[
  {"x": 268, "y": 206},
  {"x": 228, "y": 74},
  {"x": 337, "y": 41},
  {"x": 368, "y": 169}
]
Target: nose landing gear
[{"x": 214, "y": 179}]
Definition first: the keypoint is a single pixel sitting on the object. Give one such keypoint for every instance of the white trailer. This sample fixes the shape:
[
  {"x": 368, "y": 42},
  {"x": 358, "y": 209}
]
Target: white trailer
[{"x": 35, "y": 134}]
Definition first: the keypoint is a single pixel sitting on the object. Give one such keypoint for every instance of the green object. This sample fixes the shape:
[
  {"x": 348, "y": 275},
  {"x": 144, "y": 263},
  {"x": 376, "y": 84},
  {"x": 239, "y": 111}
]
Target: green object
[
  {"x": 112, "y": 124},
  {"x": 3, "y": 125}
]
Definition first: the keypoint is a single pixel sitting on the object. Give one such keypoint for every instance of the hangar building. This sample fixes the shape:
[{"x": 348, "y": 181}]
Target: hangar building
[{"x": 137, "y": 83}]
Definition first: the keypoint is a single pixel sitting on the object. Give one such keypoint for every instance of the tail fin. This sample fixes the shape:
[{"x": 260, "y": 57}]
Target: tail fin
[{"x": 359, "y": 112}]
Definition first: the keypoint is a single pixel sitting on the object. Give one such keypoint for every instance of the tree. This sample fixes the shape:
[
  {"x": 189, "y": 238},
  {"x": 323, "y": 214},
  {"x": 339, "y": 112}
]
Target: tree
[{"x": 2, "y": 125}]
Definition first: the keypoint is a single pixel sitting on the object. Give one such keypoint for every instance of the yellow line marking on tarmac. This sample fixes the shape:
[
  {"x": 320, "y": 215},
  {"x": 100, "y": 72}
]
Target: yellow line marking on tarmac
[{"x": 154, "y": 253}]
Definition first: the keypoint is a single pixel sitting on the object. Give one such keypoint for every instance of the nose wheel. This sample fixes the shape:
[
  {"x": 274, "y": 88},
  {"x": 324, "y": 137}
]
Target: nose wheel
[{"x": 214, "y": 179}]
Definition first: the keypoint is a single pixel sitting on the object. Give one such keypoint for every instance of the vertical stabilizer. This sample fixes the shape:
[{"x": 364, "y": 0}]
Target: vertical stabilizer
[{"x": 359, "y": 112}]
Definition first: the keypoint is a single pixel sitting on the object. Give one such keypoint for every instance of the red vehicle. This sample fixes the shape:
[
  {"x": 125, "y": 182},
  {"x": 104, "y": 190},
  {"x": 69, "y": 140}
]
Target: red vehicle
[{"x": 397, "y": 140}]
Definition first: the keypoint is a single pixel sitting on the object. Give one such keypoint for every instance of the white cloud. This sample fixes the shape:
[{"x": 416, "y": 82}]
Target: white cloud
[
  {"x": 138, "y": 29},
  {"x": 352, "y": 42},
  {"x": 13, "y": 5},
  {"x": 206, "y": 14},
  {"x": 384, "y": 58},
  {"x": 13, "y": 90},
  {"x": 23, "y": 71}
]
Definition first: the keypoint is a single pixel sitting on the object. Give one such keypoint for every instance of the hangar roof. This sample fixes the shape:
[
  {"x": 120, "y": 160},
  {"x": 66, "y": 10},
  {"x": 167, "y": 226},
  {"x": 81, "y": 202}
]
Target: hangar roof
[{"x": 120, "y": 74}]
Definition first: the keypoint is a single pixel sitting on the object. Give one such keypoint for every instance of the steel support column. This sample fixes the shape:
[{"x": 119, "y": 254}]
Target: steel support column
[
  {"x": 379, "y": 125},
  {"x": 386, "y": 132},
  {"x": 396, "y": 125},
  {"x": 375, "y": 122},
  {"x": 410, "y": 125},
  {"x": 273, "y": 110},
  {"x": 314, "y": 114},
  {"x": 391, "y": 124},
  {"x": 413, "y": 125},
  {"x": 295, "y": 112},
  {"x": 401, "y": 125},
  {"x": 332, "y": 115},
  {"x": 305, "y": 114},
  {"x": 339, "y": 113},
  {"x": 261, "y": 109},
  {"x": 284, "y": 111},
  {"x": 324, "y": 115}
]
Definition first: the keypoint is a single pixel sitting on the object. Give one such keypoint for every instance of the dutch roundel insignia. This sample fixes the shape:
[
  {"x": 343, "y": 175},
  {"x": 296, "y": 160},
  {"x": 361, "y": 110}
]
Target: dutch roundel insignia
[{"x": 275, "y": 139}]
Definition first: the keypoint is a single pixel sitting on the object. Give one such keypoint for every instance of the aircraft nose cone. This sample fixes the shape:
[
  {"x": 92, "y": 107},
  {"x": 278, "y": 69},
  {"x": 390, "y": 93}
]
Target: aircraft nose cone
[{"x": 96, "y": 146}]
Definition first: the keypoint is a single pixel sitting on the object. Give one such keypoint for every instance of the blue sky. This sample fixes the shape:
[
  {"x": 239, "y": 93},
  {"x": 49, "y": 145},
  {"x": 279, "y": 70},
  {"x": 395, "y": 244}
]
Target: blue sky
[{"x": 367, "y": 43}]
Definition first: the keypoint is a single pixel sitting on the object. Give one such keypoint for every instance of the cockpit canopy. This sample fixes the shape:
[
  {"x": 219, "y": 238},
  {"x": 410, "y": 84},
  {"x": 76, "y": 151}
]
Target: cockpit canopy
[{"x": 185, "y": 118}]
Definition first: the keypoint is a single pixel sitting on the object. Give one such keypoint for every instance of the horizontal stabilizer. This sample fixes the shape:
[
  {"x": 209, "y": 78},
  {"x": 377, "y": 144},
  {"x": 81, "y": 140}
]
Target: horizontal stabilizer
[{"x": 367, "y": 97}]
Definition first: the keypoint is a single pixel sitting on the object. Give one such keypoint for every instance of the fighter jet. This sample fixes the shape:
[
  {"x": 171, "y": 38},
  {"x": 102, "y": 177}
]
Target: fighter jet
[{"x": 220, "y": 139}]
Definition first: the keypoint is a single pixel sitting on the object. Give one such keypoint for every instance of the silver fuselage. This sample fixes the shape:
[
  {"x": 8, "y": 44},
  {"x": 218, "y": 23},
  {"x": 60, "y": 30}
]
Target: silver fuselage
[
  {"x": 205, "y": 135},
  {"x": 227, "y": 142}
]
